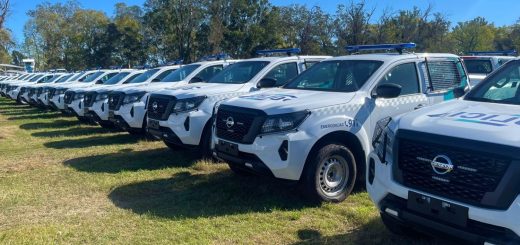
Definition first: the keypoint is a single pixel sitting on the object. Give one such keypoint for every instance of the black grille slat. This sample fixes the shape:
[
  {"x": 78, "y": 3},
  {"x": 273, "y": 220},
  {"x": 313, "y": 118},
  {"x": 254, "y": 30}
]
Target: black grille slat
[
  {"x": 247, "y": 123},
  {"x": 474, "y": 175},
  {"x": 52, "y": 92},
  {"x": 115, "y": 100},
  {"x": 159, "y": 106}
]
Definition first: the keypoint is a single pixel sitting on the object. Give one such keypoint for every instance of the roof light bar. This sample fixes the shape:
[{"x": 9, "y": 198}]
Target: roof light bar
[
  {"x": 288, "y": 51},
  {"x": 174, "y": 62},
  {"x": 221, "y": 56},
  {"x": 512, "y": 52},
  {"x": 399, "y": 47}
]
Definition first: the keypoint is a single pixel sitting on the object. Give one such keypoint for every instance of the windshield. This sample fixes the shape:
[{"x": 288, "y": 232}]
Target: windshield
[
  {"x": 145, "y": 76},
  {"x": 93, "y": 77},
  {"x": 502, "y": 87},
  {"x": 180, "y": 74},
  {"x": 35, "y": 78},
  {"x": 52, "y": 79},
  {"x": 336, "y": 75},
  {"x": 240, "y": 72},
  {"x": 117, "y": 78},
  {"x": 478, "y": 66},
  {"x": 64, "y": 78}
]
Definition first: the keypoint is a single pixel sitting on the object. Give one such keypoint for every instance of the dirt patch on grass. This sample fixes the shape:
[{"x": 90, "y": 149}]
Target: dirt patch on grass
[{"x": 7, "y": 131}]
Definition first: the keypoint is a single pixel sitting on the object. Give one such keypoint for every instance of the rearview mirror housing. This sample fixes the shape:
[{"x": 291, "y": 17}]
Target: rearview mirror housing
[
  {"x": 387, "y": 91},
  {"x": 266, "y": 83}
]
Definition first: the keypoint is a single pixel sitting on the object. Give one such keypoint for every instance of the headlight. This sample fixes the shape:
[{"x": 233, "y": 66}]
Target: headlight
[
  {"x": 284, "y": 122},
  {"x": 131, "y": 98},
  {"x": 183, "y": 105},
  {"x": 102, "y": 96},
  {"x": 79, "y": 96}
]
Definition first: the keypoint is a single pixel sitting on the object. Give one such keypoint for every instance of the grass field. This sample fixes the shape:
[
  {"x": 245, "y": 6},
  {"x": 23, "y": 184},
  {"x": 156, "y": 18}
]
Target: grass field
[{"x": 63, "y": 182}]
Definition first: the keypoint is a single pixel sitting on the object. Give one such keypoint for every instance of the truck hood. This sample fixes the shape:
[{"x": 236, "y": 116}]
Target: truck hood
[
  {"x": 278, "y": 101},
  {"x": 200, "y": 89},
  {"x": 146, "y": 87},
  {"x": 480, "y": 121},
  {"x": 75, "y": 85}
]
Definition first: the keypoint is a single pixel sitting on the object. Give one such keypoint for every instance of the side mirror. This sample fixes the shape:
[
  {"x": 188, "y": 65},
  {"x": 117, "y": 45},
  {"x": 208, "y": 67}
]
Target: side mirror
[
  {"x": 387, "y": 91},
  {"x": 156, "y": 80},
  {"x": 459, "y": 92},
  {"x": 196, "y": 80},
  {"x": 266, "y": 83},
  {"x": 99, "y": 82}
]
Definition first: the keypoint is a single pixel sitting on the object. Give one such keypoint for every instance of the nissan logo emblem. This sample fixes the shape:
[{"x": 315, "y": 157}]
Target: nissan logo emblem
[
  {"x": 442, "y": 164},
  {"x": 230, "y": 122},
  {"x": 155, "y": 106}
]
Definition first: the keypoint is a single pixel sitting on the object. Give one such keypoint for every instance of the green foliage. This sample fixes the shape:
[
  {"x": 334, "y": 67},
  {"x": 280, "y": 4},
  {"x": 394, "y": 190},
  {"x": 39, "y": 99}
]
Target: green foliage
[{"x": 476, "y": 34}]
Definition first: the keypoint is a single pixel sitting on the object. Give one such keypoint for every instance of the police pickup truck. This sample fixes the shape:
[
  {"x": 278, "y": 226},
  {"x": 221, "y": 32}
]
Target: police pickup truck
[
  {"x": 454, "y": 168},
  {"x": 317, "y": 129},
  {"x": 57, "y": 91},
  {"x": 181, "y": 117},
  {"x": 480, "y": 64},
  {"x": 128, "y": 105}
]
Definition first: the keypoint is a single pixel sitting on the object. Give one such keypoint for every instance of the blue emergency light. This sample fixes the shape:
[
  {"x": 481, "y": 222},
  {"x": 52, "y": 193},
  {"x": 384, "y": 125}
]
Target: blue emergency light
[
  {"x": 174, "y": 62},
  {"x": 399, "y": 47},
  {"x": 489, "y": 53},
  {"x": 288, "y": 51},
  {"x": 221, "y": 56}
]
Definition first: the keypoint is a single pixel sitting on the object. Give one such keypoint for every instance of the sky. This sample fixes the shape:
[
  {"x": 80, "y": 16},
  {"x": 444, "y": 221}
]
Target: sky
[{"x": 500, "y": 12}]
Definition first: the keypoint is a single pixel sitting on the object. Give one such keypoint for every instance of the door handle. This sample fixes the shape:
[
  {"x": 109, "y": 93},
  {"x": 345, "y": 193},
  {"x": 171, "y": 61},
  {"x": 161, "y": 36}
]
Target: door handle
[{"x": 419, "y": 106}]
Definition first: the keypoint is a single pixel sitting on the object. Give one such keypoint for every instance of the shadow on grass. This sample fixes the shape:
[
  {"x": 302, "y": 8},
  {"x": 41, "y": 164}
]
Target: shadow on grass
[
  {"x": 41, "y": 115},
  {"x": 128, "y": 160},
  {"x": 119, "y": 139},
  {"x": 49, "y": 125},
  {"x": 72, "y": 132},
  {"x": 372, "y": 232},
  {"x": 206, "y": 195}
]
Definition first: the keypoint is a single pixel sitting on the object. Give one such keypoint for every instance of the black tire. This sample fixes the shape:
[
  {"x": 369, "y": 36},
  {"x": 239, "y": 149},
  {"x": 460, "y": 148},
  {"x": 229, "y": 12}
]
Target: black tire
[
  {"x": 397, "y": 227},
  {"x": 136, "y": 132},
  {"x": 173, "y": 147},
  {"x": 205, "y": 143},
  {"x": 329, "y": 175},
  {"x": 238, "y": 171}
]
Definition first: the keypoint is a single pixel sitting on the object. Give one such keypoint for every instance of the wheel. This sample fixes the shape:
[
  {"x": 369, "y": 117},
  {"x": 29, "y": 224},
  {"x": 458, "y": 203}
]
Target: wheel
[
  {"x": 173, "y": 146},
  {"x": 238, "y": 171},
  {"x": 397, "y": 227},
  {"x": 330, "y": 176}
]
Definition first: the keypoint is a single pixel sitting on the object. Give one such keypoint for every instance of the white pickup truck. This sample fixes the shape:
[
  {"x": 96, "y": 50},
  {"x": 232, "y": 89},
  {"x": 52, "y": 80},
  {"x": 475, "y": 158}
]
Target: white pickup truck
[
  {"x": 181, "y": 117},
  {"x": 317, "y": 129},
  {"x": 480, "y": 64},
  {"x": 454, "y": 169},
  {"x": 128, "y": 105}
]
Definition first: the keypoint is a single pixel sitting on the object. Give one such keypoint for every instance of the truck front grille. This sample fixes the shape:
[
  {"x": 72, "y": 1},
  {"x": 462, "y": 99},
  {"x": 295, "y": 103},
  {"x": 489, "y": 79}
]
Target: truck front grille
[
  {"x": 159, "y": 107},
  {"x": 115, "y": 100},
  {"x": 237, "y": 124},
  {"x": 475, "y": 176}
]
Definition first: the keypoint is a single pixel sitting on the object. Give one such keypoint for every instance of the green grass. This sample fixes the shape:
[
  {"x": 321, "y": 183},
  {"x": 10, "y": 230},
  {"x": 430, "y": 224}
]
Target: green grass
[{"x": 64, "y": 182}]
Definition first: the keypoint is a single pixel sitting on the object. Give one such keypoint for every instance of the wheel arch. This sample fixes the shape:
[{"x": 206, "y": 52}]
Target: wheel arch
[{"x": 347, "y": 139}]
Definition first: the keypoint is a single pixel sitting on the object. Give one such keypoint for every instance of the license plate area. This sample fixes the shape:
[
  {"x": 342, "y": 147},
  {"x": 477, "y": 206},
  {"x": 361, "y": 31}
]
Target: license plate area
[
  {"x": 227, "y": 148},
  {"x": 438, "y": 209},
  {"x": 153, "y": 124}
]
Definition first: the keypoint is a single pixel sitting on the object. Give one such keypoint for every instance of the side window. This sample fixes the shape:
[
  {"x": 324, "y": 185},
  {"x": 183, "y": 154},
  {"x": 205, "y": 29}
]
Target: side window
[
  {"x": 283, "y": 73},
  {"x": 208, "y": 72},
  {"x": 309, "y": 63},
  {"x": 162, "y": 75},
  {"x": 131, "y": 78},
  {"x": 445, "y": 74},
  {"x": 404, "y": 75}
]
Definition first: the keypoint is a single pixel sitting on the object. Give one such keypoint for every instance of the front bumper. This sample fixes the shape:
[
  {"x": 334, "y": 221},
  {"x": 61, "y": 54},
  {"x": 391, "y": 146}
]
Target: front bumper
[
  {"x": 100, "y": 108},
  {"x": 58, "y": 102},
  {"x": 133, "y": 114},
  {"x": 386, "y": 193},
  {"x": 186, "y": 127},
  {"x": 269, "y": 150},
  {"x": 77, "y": 107}
]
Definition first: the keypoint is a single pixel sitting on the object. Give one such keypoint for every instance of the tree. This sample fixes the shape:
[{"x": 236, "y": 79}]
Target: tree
[
  {"x": 476, "y": 34},
  {"x": 352, "y": 24}
]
